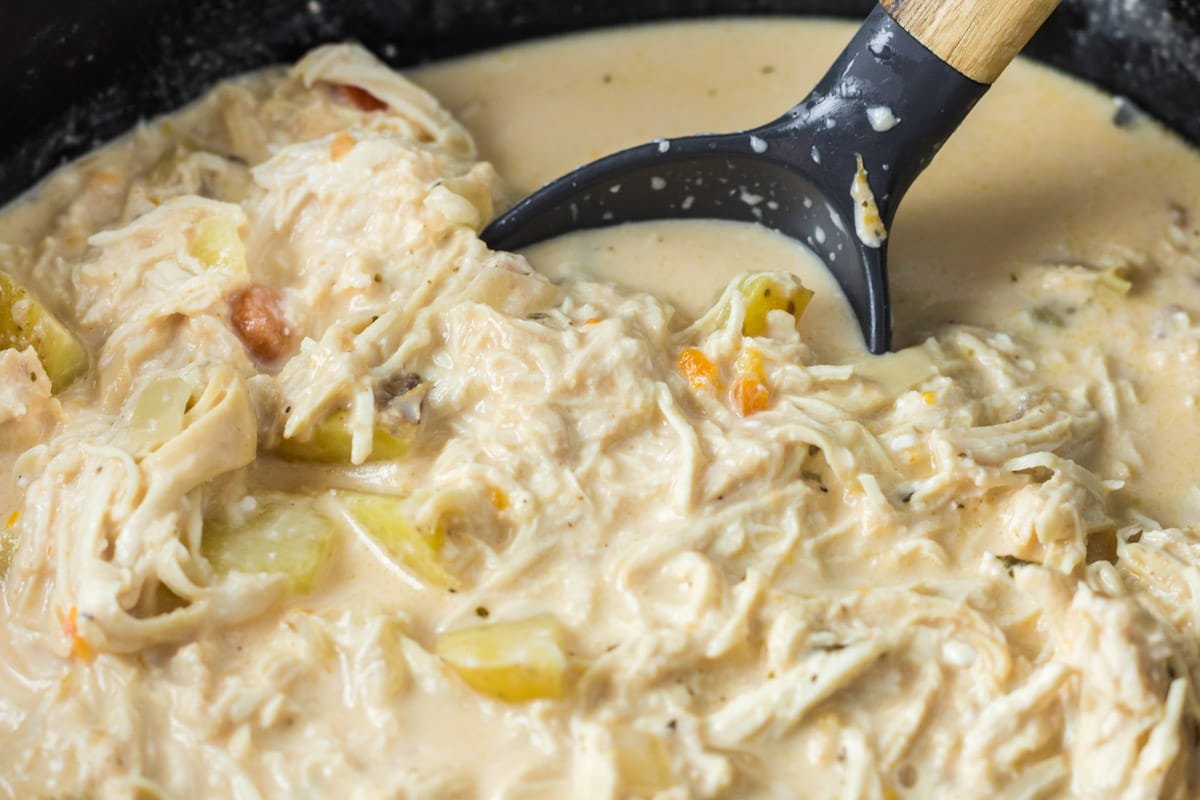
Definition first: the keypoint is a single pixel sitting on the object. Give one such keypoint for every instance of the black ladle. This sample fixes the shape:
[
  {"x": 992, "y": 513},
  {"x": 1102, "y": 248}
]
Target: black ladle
[{"x": 891, "y": 100}]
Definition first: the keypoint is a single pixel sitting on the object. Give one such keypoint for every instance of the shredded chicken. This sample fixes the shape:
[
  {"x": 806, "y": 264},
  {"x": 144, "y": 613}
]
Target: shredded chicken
[{"x": 886, "y": 572}]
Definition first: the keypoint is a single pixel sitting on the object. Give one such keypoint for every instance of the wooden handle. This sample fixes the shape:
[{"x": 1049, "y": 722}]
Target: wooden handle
[{"x": 977, "y": 37}]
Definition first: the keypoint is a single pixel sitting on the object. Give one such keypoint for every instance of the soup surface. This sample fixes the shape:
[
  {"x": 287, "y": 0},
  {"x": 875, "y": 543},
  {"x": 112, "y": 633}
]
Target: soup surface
[{"x": 304, "y": 492}]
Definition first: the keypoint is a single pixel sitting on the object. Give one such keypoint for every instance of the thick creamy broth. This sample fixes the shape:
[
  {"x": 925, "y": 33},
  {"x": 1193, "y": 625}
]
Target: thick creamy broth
[
  {"x": 687, "y": 264},
  {"x": 1038, "y": 176},
  {"x": 346, "y": 504}
]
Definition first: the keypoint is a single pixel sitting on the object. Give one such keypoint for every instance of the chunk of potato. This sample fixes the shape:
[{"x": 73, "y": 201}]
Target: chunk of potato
[
  {"x": 159, "y": 409},
  {"x": 510, "y": 661},
  {"x": 331, "y": 442},
  {"x": 216, "y": 244},
  {"x": 643, "y": 762},
  {"x": 766, "y": 293},
  {"x": 384, "y": 519},
  {"x": 25, "y": 322},
  {"x": 289, "y": 538}
]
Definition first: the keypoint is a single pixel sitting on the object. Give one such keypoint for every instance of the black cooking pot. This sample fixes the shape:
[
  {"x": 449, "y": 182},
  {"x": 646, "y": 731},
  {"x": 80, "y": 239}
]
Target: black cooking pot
[{"x": 74, "y": 73}]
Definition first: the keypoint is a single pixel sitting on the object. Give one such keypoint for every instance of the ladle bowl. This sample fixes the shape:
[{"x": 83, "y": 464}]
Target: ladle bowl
[{"x": 830, "y": 172}]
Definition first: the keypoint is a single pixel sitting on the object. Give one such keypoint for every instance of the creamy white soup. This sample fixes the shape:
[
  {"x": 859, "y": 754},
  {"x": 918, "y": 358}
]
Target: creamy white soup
[{"x": 304, "y": 492}]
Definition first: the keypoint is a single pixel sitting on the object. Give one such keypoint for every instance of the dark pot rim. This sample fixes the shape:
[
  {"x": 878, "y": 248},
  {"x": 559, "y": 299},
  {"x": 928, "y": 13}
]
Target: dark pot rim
[{"x": 81, "y": 72}]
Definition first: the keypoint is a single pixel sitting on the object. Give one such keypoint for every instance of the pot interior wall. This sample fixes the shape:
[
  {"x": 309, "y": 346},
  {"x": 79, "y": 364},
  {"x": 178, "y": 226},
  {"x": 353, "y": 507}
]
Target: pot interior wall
[{"x": 76, "y": 73}]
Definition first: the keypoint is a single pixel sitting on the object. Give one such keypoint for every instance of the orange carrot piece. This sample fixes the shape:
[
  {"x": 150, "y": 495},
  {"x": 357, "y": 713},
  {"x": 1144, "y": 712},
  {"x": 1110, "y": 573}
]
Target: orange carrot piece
[
  {"x": 749, "y": 395},
  {"x": 697, "y": 368},
  {"x": 80, "y": 649},
  {"x": 342, "y": 144}
]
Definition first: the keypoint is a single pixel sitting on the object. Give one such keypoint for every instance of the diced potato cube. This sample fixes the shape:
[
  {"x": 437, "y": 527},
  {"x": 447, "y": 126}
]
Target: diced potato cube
[
  {"x": 331, "y": 442},
  {"x": 25, "y": 322},
  {"x": 766, "y": 293},
  {"x": 384, "y": 519},
  {"x": 510, "y": 661},
  {"x": 288, "y": 538},
  {"x": 159, "y": 408},
  {"x": 215, "y": 243},
  {"x": 643, "y": 762}
]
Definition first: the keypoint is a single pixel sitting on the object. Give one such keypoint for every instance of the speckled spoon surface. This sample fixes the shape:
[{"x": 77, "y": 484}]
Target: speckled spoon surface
[{"x": 830, "y": 172}]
